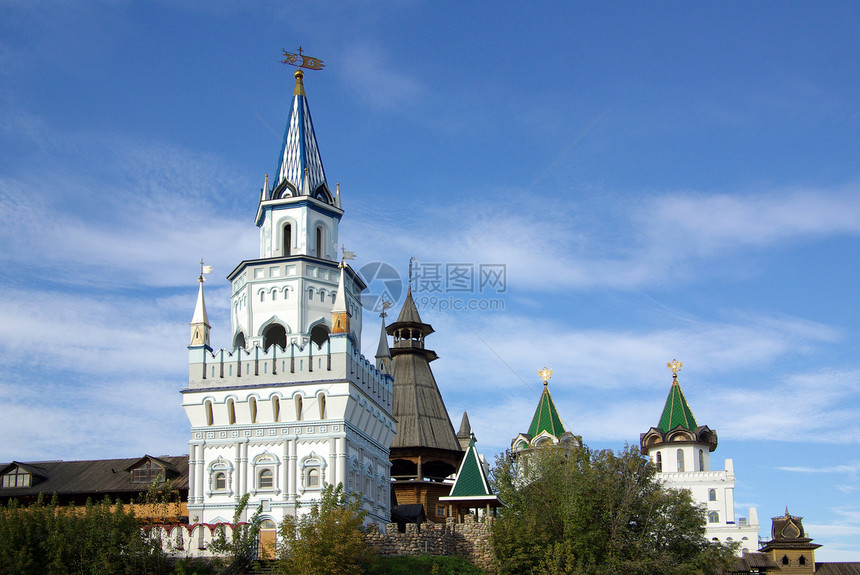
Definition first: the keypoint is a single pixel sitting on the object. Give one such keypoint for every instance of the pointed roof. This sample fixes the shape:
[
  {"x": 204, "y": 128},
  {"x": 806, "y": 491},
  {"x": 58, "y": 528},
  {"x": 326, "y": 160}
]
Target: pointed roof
[
  {"x": 471, "y": 479},
  {"x": 546, "y": 416},
  {"x": 383, "y": 350},
  {"x": 300, "y": 157},
  {"x": 409, "y": 314},
  {"x": 200, "y": 315},
  {"x": 676, "y": 412},
  {"x": 465, "y": 426}
]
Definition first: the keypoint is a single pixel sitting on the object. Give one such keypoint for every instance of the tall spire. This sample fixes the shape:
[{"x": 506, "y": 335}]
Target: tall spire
[
  {"x": 299, "y": 163},
  {"x": 383, "y": 352},
  {"x": 200, "y": 319}
]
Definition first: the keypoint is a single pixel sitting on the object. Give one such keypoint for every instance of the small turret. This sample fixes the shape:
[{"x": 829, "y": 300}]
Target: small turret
[
  {"x": 678, "y": 427},
  {"x": 546, "y": 427},
  {"x": 339, "y": 312},
  {"x": 383, "y": 352},
  {"x": 464, "y": 435},
  {"x": 200, "y": 319}
]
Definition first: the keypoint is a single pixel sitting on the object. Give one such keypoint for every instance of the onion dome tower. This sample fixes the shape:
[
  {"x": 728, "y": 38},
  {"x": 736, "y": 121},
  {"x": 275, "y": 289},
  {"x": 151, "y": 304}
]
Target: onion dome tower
[
  {"x": 789, "y": 546},
  {"x": 425, "y": 450},
  {"x": 546, "y": 427}
]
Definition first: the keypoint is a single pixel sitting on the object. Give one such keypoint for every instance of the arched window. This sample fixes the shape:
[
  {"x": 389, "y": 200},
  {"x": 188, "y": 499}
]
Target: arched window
[
  {"x": 680, "y": 460},
  {"x": 239, "y": 340},
  {"x": 276, "y": 409},
  {"x": 313, "y": 477},
  {"x": 659, "y": 462},
  {"x": 713, "y": 517},
  {"x": 311, "y": 294},
  {"x": 288, "y": 240},
  {"x": 298, "y": 408},
  {"x": 319, "y": 246},
  {"x": 701, "y": 460},
  {"x": 208, "y": 412},
  {"x": 319, "y": 334},
  {"x": 265, "y": 479},
  {"x": 252, "y": 406},
  {"x": 785, "y": 559},
  {"x": 275, "y": 334},
  {"x": 802, "y": 560},
  {"x": 231, "y": 412},
  {"x": 712, "y": 494},
  {"x": 220, "y": 482},
  {"x": 321, "y": 401}
]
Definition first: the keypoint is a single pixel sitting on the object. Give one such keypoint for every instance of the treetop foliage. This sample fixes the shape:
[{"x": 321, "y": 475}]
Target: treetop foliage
[
  {"x": 572, "y": 510},
  {"x": 328, "y": 539}
]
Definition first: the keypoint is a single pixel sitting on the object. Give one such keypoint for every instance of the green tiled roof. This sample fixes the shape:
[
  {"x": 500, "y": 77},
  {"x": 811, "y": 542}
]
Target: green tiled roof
[
  {"x": 676, "y": 412},
  {"x": 546, "y": 417},
  {"x": 471, "y": 480}
]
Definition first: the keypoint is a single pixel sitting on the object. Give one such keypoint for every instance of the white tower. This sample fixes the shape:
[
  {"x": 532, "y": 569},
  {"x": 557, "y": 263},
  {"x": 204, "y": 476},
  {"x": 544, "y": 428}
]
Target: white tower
[
  {"x": 681, "y": 451},
  {"x": 293, "y": 405}
]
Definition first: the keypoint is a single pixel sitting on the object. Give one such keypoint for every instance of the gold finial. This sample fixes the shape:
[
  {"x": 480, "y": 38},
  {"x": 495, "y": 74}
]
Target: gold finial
[
  {"x": 545, "y": 374},
  {"x": 675, "y": 366}
]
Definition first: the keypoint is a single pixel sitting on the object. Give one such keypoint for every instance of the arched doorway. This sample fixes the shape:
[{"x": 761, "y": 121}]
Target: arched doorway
[
  {"x": 319, "y": 334},
  {"x": 268, "y": 539},
  {"x": 274, "y": 334}
]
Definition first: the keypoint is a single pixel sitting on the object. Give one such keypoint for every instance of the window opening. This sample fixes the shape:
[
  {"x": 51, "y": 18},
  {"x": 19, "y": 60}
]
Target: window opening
[
  {"x": 265, "y": 479},
  {"x": 288, "y": 240}
]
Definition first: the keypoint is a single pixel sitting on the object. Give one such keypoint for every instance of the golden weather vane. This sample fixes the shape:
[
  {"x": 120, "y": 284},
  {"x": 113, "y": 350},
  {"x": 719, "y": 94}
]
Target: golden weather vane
[{"x": 299, "y": 60}]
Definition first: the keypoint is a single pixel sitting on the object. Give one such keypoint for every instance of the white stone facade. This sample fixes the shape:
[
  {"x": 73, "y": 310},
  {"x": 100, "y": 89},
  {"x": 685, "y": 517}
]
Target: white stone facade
[
  {"x": 291, "y": 406},
  {"x": 715, "y": 490}
]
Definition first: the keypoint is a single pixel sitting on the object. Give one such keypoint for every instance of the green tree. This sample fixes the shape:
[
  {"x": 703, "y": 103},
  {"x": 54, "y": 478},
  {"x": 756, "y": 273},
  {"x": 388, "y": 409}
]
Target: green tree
[
  {"x": 244, "y": 535},
  {"x": 571, "y": 510},
  {"x": 329, "y": 539}
]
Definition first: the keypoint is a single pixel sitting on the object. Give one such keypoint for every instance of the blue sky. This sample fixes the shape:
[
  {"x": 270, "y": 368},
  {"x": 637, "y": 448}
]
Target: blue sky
[{"x": 659, "y": 180}]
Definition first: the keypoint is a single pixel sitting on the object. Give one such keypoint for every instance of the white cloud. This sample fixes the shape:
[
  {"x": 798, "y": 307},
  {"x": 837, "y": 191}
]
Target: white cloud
[
  {"x": 371, "y": 76},
  {"x": 851, "y": 468}
]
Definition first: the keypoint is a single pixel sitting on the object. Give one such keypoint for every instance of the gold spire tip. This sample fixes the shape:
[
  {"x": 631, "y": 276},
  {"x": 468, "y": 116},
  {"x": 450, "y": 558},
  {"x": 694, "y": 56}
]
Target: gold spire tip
[{"x": 545, "y": 374}]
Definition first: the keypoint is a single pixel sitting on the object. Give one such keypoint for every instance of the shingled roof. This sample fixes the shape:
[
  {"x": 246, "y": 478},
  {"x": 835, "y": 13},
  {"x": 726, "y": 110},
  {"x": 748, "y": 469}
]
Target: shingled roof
[
  {"x": 471, "y": 479},
  {"x": 80, "y": 479},
  {"x": 676, "y": 411},
  {"x": 546, "y": 417},
  {"x": 422, "y": 420}
]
